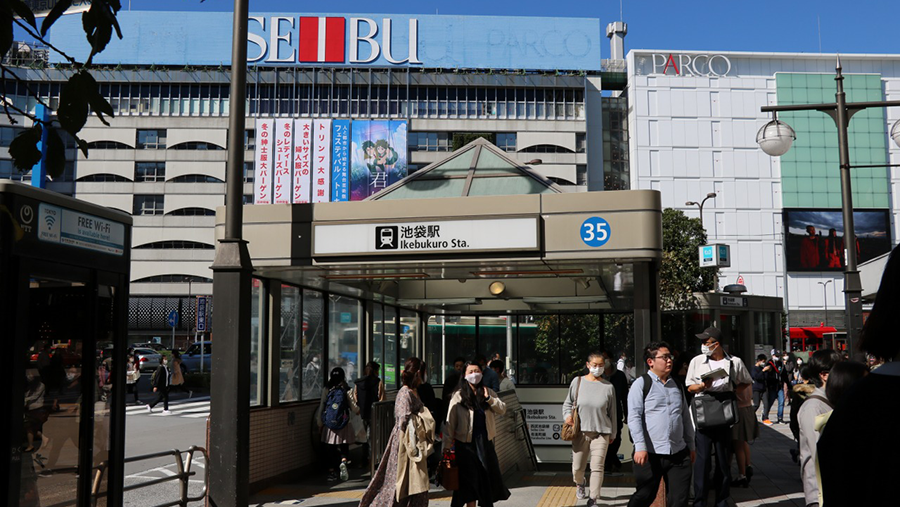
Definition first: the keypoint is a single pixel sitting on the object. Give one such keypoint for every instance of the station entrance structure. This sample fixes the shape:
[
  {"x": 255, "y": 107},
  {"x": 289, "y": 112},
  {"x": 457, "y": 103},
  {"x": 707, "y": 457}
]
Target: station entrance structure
[
  {"x": 64, "y": 267},
  {"x": 472, "y": 254}
]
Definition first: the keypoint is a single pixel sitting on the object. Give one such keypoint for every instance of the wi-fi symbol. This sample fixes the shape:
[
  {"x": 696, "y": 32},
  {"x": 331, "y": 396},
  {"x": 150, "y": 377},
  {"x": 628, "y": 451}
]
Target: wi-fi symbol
[{"x": 50, "y": 220}]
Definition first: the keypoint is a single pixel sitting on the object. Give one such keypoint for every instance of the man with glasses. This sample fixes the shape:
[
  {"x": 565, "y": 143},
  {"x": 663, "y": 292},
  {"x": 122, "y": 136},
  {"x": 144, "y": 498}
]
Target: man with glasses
[
  {"x": 661, "y": 430},
  {"x": 713, "y": 357}
]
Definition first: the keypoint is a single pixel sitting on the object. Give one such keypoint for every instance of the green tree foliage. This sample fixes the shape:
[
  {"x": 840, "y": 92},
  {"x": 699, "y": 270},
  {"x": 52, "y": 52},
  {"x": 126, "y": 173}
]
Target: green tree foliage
[
  {"x": 79, "y": 97},
  {"x": 680, "y": 274}
]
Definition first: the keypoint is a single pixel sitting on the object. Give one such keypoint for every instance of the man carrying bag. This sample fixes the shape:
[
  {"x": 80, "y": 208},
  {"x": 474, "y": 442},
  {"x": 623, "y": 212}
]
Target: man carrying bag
[{"x": 714, "y": 409}]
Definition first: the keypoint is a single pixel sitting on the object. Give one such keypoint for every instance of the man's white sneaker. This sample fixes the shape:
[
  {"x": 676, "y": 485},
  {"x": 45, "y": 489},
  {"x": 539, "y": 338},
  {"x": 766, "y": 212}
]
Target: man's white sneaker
[
  {"x": 345, "y": 474},
  {"x": 166, "y": 412},
  {"x": 149, "y": 409}
]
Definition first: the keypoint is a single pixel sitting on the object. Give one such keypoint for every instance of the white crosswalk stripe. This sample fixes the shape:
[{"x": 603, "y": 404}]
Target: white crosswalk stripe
[{"x": 189, "y": 409}]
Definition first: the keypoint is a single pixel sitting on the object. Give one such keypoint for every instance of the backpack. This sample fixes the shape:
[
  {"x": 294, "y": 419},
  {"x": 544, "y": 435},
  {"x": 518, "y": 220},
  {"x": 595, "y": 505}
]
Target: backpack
[
  {"x": 337, "y": 409},
  {"x": 798, "y": 397}
]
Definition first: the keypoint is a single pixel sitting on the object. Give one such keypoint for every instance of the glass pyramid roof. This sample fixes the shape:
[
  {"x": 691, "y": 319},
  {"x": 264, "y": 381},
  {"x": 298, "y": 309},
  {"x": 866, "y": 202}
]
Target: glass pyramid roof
[{"x": 477, "y": 169}]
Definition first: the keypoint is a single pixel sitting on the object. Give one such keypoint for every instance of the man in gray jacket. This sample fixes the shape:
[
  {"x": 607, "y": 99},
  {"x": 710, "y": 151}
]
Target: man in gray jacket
[{"x": 819, "y": 366}]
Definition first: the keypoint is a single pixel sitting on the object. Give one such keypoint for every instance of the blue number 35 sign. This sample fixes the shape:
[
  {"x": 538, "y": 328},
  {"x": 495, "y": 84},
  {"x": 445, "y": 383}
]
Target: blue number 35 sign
[{"x": 595, "y": 232}]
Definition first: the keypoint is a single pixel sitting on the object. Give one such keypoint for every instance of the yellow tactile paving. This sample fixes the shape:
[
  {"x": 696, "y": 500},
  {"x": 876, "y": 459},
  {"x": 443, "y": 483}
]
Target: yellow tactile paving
[{"x": 560, "y": 493}]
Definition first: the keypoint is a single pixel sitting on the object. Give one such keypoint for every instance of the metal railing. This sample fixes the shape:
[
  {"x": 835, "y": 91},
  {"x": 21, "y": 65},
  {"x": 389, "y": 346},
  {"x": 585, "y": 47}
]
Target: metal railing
[
  {"x": 184, "y": 474},
  {"x": 382, "y": 423},
  {"x": 521, "y": 423}
]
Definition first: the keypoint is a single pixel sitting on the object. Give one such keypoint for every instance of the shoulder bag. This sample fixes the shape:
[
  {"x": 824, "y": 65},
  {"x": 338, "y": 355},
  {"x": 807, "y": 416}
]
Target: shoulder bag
[
  {"x": 570, "y": 431},
  {"x": 448, "y": 472},
  {"x": 716, "y": 409}
]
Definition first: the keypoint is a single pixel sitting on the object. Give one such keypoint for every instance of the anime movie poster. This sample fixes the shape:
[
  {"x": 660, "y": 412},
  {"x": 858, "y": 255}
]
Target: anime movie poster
[{"x": 378, "y": 156}]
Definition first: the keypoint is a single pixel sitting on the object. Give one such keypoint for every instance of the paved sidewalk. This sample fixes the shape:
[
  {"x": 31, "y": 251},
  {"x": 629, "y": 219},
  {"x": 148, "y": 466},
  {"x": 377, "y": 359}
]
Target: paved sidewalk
[{"x": 776, "y": 482}]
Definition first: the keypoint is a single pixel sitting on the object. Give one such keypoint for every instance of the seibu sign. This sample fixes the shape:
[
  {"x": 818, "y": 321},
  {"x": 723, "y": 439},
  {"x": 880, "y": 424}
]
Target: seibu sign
[
  {"x": 288, "y": 39},
  {"x": 691, "y": 65}
]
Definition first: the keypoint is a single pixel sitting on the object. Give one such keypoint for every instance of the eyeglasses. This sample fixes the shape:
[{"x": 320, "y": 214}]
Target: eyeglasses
[{"x": 666, "y": 358}]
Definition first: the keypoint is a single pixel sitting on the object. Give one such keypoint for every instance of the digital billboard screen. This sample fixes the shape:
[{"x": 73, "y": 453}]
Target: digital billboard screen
[{"x": 815, "y": 238}]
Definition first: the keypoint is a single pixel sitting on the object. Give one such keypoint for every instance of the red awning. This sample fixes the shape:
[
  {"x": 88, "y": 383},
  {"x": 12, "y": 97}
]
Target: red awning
[{"x": 811, "y": 332}]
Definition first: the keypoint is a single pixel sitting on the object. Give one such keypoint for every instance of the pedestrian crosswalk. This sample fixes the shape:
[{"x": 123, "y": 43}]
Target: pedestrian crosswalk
[{"x": 197, "y": 408}]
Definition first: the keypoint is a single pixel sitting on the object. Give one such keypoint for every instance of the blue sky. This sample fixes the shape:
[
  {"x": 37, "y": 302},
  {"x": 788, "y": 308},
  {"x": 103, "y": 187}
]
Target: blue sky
[
  {"x": 728, "y": 25},
  {"x": 867, "y": 26}
]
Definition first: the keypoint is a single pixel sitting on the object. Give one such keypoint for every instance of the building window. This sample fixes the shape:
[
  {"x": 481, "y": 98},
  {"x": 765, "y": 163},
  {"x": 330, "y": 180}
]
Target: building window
[
  {"x": 250, "y": 139},
  {"x": 580, "y": 142},
  {"x": 103, "y": 178},
  {"x": 545, "y": 148},
  {"x": 430, "y": 141},
  {"x": 149, "y": 204},
  {"x": 173, "y": 279},
  {"x": 192, "y": 212},
  {"x": 8, "y": 171},
  {"x": 196, "y": 178},
  {"x": 151, "y": 139},
  {"x": 248, "y": 175},
  {"x": 175, "y": 245},
  {"x": 506, "y": 141},
  {"x": 108, "y": 145},
  {"x": 7, "y": 134},
  {"x": 197, "y": 145},
  {"x": 149, "y": 172}
]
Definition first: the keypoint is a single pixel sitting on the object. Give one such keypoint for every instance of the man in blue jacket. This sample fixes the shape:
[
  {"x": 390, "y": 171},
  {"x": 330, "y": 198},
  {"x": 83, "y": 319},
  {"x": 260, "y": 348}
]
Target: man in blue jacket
[{"x": 759, "y": 381}]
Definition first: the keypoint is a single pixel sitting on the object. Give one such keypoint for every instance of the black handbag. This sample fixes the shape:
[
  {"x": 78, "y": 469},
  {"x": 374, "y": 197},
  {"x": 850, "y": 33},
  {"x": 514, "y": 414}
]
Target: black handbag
[{"x": 716, "y": 409}]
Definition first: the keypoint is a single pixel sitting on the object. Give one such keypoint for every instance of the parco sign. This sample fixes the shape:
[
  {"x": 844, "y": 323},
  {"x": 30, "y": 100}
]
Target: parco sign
[{"x": 691, "y": 65}]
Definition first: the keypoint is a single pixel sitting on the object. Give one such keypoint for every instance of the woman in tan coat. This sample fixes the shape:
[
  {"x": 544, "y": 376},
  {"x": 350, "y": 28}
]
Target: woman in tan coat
[
  {"x": 389, "y": 482},
  {"x": 177, "y": 383}
]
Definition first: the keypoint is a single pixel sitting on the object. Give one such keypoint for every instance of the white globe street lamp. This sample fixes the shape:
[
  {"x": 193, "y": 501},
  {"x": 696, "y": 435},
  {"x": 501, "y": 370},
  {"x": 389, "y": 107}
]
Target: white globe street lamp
[
  {"x": 775, "y": 138},
  {"x": 895, "y": 133}
]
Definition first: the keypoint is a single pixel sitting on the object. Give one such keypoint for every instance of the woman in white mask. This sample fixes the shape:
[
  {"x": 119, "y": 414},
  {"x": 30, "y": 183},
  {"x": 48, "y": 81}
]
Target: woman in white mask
[
  {"x": 471, "y": 431},
  {"x": 594, "y": 399}
]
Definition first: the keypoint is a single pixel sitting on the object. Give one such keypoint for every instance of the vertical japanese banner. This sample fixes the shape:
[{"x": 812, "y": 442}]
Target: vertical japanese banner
[
  {"x": 262, "y": 177},
  {"x": 340, "y": 164},
  {"x": 378, "y": 156},
  {"x": 281, "y": 178},
  {"x": 303, "y": 138},
  {"x": 321, "y": 161}
]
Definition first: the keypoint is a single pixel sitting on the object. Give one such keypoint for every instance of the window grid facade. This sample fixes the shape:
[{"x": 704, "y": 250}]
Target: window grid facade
[
  {"x": 149, "y": 172},
  {"x": 149, "y": 204},
  {"x": 335, "y": 93}
]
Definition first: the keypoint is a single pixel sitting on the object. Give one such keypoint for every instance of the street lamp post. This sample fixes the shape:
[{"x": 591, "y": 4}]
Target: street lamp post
[
  {"x": 825, "y": 293},
  {"x": 775, "y": 139},
  {"x": 711, "y": 195}
]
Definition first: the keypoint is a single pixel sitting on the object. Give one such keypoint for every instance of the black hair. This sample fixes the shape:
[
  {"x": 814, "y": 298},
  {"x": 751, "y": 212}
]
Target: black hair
[
  {"x": 842, "y": 376},
  {"x": 822, "y": 361},
  {"x": 459, "y": 360},
  {"x": 371, "y": 369},
  {"x": 480, "y": 359},
  {"x": 651, "y": 350},
  {"x": 471, "y": 399},
  {"x": 497, "y": 364},
  {"x": 410, "y": 376},
  {"x": 878, "y": 333},
  {"x": 336, "y": 377},
  {"x": 761, "y": 357}
]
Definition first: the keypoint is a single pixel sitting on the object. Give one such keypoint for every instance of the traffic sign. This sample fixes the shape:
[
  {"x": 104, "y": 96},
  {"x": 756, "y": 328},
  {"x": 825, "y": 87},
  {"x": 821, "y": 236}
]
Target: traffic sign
[
  {"x": 173, "y": 318},
  {"x": 202, "y": 305},
  {"x": 595, "y": 232},
  {"x": 740, "y": 280}
]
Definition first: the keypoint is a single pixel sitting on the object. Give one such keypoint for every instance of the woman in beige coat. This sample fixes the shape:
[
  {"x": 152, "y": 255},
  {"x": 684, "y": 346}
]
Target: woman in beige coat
[{"x": 400, "y": 480}]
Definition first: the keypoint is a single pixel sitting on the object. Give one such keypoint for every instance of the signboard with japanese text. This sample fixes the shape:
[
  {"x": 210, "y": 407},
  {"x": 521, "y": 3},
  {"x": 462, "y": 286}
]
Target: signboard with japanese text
[
  {"x": 321, "y": 188},
  {"x": 262, "y": 178},
  {"x": 545, "y": 423},
  {"x": 303, "y": 138},
  {"x": 340, "y": 161},
  {"x": 202, "y": 313},
  {"x": 505, "y": 234},
  {"x": 282, "y": 155}
]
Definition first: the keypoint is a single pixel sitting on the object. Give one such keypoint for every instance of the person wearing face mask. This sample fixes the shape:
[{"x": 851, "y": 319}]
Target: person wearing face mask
[
  {"x": 595, "y": 400},
  {"x": 712, "y": 357},
  {"x": 470, "y": 431},
  {"x": 160, "y": 381}
]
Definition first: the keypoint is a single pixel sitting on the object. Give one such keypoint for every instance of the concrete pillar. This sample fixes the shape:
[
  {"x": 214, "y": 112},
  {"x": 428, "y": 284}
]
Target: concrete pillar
[{"x": 646, "y": 310}]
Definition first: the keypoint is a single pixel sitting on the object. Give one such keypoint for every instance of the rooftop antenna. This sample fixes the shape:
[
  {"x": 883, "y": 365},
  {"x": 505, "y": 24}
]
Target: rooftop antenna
[{"x": 819, "y": 24}]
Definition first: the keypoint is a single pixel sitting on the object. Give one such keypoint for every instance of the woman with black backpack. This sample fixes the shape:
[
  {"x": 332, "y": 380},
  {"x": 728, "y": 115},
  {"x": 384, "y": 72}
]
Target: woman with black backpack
[{"x": 334, "y": 422}]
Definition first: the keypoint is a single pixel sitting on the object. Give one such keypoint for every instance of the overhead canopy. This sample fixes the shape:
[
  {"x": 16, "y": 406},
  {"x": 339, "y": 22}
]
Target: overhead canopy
[{"x": 472, "y": 233}]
